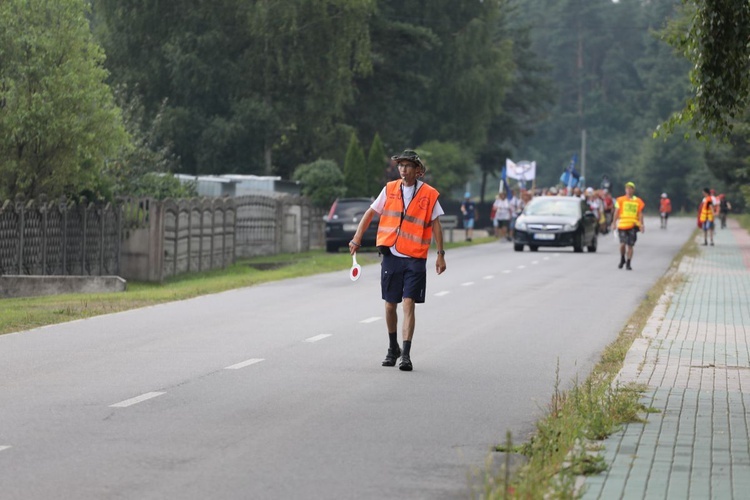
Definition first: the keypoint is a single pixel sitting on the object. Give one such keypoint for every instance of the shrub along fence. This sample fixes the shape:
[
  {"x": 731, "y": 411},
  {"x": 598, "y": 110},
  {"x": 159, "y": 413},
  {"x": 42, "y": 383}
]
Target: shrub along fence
[{"x": 61, "y": 238}]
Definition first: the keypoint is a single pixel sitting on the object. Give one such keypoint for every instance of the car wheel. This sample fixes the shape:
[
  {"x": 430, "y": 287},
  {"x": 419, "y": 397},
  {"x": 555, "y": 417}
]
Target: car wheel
[
  {"x": 332, "y": 247},
  {"x": 517, "y": 247},
  {"x": 533, "y": 248},
  {"x": 594, "y": 243},
  {"x": 578, "y": 243}
]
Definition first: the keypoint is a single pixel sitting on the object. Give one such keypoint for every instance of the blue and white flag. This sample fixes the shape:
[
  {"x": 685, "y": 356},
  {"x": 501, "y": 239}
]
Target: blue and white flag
[{"x": 570, "y": 176}]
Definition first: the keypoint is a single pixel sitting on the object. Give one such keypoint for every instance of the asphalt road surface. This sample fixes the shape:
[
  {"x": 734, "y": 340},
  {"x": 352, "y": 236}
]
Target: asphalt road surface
[{"x": 276, "y": 391}]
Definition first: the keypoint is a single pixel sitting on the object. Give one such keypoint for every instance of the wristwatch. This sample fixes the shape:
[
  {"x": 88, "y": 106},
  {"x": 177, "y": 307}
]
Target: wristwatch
[{"x": 441, "y": 252}]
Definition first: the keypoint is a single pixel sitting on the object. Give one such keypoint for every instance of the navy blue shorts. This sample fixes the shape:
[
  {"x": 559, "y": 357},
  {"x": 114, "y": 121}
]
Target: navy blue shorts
[{"x": 403, "y": 278}]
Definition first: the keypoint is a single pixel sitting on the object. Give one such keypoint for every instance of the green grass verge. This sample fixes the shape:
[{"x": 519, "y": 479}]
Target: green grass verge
[
  {"x": 744, "y": 220},
  {"x": 561, "y": 448},
  {"x": 26, "y": 313}
]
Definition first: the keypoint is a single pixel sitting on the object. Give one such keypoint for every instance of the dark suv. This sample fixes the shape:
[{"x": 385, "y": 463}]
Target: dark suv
[{"x": 342, "y": 222}]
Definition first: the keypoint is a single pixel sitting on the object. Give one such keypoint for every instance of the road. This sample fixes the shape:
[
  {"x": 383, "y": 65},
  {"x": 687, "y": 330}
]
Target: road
[{"x": 276, "y": 391}]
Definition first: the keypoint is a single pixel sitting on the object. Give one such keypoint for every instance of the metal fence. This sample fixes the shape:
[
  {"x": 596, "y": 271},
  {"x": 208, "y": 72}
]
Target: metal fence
[{"x": 59, "y": 238}]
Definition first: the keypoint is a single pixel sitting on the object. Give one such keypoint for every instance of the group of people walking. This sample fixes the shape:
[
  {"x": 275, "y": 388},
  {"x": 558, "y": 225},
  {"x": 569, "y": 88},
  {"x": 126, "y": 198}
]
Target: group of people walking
[{"x": 410, "y": 213}]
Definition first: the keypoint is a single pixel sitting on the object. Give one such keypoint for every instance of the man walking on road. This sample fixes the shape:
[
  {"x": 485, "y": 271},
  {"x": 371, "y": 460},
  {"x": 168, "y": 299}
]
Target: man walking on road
[
  {"x": 409, "y": 217},
  {"x": 628, "y": 220}
]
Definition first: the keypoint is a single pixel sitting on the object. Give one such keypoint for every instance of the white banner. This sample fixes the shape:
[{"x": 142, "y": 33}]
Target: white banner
[{"x": 522, "y": 171}]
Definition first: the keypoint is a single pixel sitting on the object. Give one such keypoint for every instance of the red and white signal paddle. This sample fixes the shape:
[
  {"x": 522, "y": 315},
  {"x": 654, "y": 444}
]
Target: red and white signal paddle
[{"x": 356, "y": 270}]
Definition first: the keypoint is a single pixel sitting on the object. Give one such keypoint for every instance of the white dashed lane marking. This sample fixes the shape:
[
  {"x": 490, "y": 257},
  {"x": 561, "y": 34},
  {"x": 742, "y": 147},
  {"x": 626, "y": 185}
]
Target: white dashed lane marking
[
  {"x": 5, "y": 447},
  {"x": 441, "y": 294},
  {"x": 488, "y": 277},
  {"x": 468, "y": 283},
  {"x": 546, "y": 258},
  {"x": 507, "y": 271},
  {"x": 521, "y": 267},
  {"x": 535, "y": 262},
  {"x": 371, "y": 320},
  {"x": 137, "y": 399},
  {"x": 318, "y": 337},
  {"x": 244, "y": 364}
]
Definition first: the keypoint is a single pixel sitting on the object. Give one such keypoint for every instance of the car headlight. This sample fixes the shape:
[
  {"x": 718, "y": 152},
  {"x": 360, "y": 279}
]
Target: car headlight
[
  {"x": 521, "y": 226},
  {"x": 570, "y": 227}
]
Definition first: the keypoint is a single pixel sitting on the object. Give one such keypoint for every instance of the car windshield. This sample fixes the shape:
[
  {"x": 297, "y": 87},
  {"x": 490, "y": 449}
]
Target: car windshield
[
  {"x": 351, "y": 209},
  {"x": 550, "y": 206}
]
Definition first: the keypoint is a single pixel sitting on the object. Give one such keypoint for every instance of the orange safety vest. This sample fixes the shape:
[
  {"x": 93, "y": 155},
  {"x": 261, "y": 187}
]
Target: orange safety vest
[
  {"x": 410, "y": 228},
  {"x": 628, "y": 210},
  {"x": 665, "y": 206},
  {"x": 707, "y": 210}
]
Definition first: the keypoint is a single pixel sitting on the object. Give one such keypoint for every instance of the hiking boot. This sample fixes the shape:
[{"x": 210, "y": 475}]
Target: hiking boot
[
  {"x": 628, "y": 268},
  {"x": 622, "y": 263},
  {"x": 405, "y": 365},
  {"x": 392, "y": 356}
]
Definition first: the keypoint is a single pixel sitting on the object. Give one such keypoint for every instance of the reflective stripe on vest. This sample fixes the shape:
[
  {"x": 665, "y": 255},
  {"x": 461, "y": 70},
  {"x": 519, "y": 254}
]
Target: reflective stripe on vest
[{"x": 410, "y": 232}]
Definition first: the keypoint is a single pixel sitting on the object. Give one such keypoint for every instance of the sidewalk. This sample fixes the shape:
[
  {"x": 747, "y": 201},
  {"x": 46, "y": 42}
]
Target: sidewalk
[{"x": 694, "y": 358}]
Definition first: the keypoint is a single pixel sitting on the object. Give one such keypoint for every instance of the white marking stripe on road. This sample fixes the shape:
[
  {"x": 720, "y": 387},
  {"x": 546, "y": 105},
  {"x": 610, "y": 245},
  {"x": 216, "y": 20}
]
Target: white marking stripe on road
[
  {"x": 371, "y": 320},
  {"x": 244, "y": 364},
  {"x": 535, "y": 262},
  {"x": 441, "y": 294},
  {"x": 521, "y": 267},
  {"x": 546, "y": 258},
  {"x": 507, "y": 271},
  {"x": 489, "y": 277},
  {"x": 468, "y": 283},
  {"x": 318, "y": 337},
  {"x": 136, "y": 400},
  {"x": 6, "y": 447}
]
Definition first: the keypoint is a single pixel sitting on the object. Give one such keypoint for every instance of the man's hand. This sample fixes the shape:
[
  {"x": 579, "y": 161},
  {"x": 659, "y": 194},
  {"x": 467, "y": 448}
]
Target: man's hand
[{"x": 440, "y": 264}]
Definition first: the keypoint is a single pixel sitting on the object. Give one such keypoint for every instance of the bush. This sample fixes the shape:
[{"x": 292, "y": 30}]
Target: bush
[{"x": 322, "y": 182}]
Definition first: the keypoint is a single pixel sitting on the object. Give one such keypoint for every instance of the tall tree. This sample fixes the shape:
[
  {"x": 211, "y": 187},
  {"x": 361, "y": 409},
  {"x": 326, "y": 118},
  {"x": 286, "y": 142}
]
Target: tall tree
[
  {"x": 377, "y": 164},
  {"x": 713, "y": 35},
  {"x": 58, "y": 121},
  {"x": 355, "y": 169},
  {"x": 246, "y": 87}
]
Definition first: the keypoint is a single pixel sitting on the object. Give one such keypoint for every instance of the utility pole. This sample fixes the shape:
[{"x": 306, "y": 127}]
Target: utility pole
[{"x": 583, "y": 156}]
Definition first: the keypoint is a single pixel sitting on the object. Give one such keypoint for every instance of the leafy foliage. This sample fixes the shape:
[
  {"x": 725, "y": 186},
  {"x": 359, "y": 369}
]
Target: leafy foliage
[
  {"x": 58, "y": 120},
  {"x": 322, "y": 182},
  {"x": 713, "y": 35},
  {"x": 355, "y": 169},
  {"x": 448, "y": 166},
  {"x": 377, "y": 164}
]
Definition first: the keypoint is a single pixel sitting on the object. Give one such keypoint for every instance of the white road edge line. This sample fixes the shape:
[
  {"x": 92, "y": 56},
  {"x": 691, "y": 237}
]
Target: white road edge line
[
  {"x": 244, "y": 364},
  {"x": 468, "y": 283},
  {"x": 137, "y": 399},
  {"x": 371, "y": 320},
  {"x": 5, "y": 447},
  {"x": 489, "y": 277},
  {"x": 318, "y": 337},
  {"x": 441, "y": 294}
]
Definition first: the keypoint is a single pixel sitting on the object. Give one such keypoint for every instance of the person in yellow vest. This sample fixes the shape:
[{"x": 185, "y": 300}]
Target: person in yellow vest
[
  {"x": 706, "y": 215},
  {"x": 409, "y": 219},
  {"x": 628, "y": 220}
]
